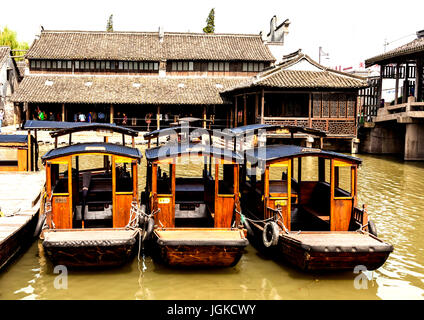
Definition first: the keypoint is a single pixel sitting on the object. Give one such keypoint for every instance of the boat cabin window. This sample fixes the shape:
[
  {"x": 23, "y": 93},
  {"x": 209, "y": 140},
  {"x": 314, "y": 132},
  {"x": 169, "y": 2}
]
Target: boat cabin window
[
  {"x": 310, "y": 169},
  {"x": 295, "y": 170},
  {"x": 124, "y": 177},
  {"x": 343, "y": 181},
  {"x": 255, "y": 176},
  {"x": 278, "y": 175},
  {"x": 59, "y": 178},
  {"x": 164, "y": 184},
  {"x": 8, "y": 157},
  {"x": 189, "y": 179},
  {"x": 225, "y": 178}
]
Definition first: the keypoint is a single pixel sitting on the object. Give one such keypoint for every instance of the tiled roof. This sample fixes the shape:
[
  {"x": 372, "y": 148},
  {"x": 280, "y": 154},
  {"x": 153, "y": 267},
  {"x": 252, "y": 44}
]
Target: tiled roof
[
  {"x": 309, "y": 79},
  {"x": 415, "y": 46},
  {"x": 316, "y": 77},
  {"x": 148, "y": 47},
  {"x": 21, "y": 67},
  {"x": 4, "y": 54},
  {"x": 123, "y": 89}
]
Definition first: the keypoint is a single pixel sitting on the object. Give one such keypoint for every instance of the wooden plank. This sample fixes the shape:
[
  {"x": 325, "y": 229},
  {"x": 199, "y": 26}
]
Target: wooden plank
[
  {"x": 88, "y": 234},
  {"x": 335, "y": 238},
  {"x": 199, "y": 234},
  {"x": 18, "y": 192}
]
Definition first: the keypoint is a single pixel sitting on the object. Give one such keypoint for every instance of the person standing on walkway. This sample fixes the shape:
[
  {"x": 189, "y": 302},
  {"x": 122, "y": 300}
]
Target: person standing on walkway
[
  {"x": 81, "y": 117},
  {"x": 148, "y": 120},
  {"x": 41, "y": 115},
  {"x": 101, "y": 116},
  {"x": 1, "y": 117}
]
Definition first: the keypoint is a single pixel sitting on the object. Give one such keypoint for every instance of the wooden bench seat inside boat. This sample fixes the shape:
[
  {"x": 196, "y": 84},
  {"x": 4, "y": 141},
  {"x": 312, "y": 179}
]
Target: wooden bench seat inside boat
[
  {"x": 201, "y": 236},
  {"x": 319, "y": 203},
  {"x": 338, "y": 241},
  {"x": 190, "y": 199}
]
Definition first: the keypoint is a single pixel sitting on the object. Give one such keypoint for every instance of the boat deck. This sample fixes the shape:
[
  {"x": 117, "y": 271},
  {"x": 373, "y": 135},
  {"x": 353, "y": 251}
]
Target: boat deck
[
  {"x": 201, "y": 237},
  {"x": 338, "y": 241},
  {"x": 20, "y": 195},
  {"x": 88, "y": 235},
  {"x": 199, "y": 234},
  {"x": 20, "y": 199}
]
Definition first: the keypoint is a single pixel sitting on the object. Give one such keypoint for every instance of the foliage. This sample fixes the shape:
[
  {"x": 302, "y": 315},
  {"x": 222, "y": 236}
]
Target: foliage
[
  {"x": 8, "y": 38},
  {"x": 210, "y": 22},
  {"x": 109, "y": 25}
]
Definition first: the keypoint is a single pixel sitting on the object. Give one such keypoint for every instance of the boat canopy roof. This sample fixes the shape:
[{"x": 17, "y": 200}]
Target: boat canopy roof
[
  {"x": 281, "y": 151},
  {"x": 95, "y": 147},
  {"x": 13, "y": 138},
  {"x": 191, "y": 119},
  {"x": 252, "y": 128},
  {"x": 174, "y": 150},
  {"x": 95, "y": 127},
  {"x": 268, "y": 127},
  {"x": 44, "y": 124},
  {"x": 172, "y": 130}
]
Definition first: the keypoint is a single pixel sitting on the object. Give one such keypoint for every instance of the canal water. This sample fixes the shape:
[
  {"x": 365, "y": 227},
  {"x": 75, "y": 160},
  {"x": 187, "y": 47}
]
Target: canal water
[{"x": 393, "y": 190}]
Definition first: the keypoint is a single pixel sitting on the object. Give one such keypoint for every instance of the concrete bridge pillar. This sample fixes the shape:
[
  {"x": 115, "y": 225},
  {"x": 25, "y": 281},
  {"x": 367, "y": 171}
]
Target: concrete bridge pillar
[
  {"x": 383, "y": 139},
  {"x": 414, "y": 141},
  {"x": 354, "y": 146}
]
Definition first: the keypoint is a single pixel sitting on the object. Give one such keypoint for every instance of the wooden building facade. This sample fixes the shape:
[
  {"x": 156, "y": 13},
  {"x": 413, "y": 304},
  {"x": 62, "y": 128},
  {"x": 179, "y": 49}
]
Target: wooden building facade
[
  {"x": 405, "y": 65},
  {"x": 159, "y": 77},
  {"x": 301, "y": 92}
]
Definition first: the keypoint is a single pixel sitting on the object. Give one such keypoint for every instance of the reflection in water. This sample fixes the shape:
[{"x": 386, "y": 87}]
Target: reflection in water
[{"x": 392, "y": 190}]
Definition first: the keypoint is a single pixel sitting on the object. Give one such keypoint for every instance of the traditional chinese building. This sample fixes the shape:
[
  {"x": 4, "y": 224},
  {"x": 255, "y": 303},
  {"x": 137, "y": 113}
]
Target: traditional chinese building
[
  {"x": 299, "y": 91},
  {"x": 144, "y": 75},
  {"x": 396, "y": 125}
]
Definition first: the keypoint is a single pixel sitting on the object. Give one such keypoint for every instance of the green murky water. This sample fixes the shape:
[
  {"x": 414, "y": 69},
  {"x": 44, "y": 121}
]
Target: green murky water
[{"x": 391, "y": 188}]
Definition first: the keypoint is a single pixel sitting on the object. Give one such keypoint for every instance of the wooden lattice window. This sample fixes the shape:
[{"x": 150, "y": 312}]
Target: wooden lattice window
[
  {"x": 325, "y": 105},
  {"x": 316, "y": 109}
]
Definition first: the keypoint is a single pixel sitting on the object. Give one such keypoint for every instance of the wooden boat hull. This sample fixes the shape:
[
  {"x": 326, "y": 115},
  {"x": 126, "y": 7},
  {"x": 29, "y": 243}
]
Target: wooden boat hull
[
  {"x": 199, "y": 247},
  {"x": 90, "y": 247},
  {"x": 335, "y": 256},
  {"x": 330, "y": 250},
  {"x": 23, "y": 237}
]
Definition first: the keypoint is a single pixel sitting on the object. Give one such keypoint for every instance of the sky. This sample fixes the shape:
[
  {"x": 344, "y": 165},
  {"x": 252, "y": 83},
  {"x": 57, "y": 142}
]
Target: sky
[{"x": 349, "y": 31}]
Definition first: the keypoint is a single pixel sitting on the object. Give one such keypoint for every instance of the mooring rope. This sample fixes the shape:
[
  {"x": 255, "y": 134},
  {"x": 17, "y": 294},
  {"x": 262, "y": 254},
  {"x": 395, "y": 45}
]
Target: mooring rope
[
  {"x": 243, "y": 217},
  {"x": 137, "y": 214},
  {"x": 361, "y": 227},
  {"x": 273, "y": 218}
]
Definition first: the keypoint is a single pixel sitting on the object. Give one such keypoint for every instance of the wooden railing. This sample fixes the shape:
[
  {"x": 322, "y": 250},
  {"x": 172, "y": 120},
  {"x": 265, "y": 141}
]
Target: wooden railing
[{"x": 333, "y": 126}]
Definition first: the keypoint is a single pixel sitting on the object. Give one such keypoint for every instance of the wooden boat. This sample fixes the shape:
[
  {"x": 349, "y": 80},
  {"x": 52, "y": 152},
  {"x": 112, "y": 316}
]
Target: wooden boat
[
  {"x": 304, "y": 202},
  {"x": 18, "y": 153},
  {"x": 20, "y": 194},
  {"x": 92, "y": 216},
  {"x": 195, "y": 220}
]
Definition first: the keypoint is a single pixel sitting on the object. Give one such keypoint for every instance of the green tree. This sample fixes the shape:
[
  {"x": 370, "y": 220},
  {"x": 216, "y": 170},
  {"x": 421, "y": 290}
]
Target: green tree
[
  {"x": 8, "y": 38},
  {"x": 109, "y": 25},
  {"x": 210, "y": 22}
]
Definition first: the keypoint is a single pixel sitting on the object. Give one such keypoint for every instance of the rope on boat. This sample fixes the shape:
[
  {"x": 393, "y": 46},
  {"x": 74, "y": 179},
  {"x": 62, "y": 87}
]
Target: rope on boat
[
  {"x": 361, "y": 227},
  {"x": 135, "y": 214},
  {"x": 134, "y": 221},
  {"x": 273, "y": 218},
  {"x": 282, "y": 221},
  {"x": 243, "y": 217}
]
